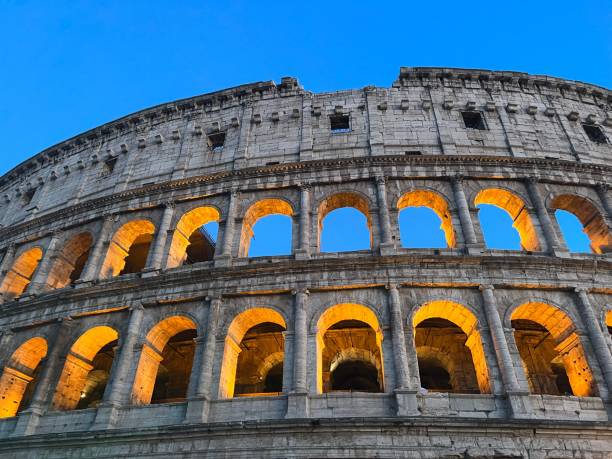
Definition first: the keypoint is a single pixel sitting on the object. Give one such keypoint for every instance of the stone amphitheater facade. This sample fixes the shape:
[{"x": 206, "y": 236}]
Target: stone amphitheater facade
[{"x": 97, "y": 285}]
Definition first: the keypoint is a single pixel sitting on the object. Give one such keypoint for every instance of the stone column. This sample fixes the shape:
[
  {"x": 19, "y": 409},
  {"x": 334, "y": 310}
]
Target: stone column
[
  {"x": 51, "y": 368},
  {"x": 386, "y": 241},
  {"x": 7, "y": 260},
  {"x": 157, "y": 253},
  {"x": 298, "y": 403},
  {"x": 42, "y": 271},
  {"x": 467, "y": 225},
  {"x": 552, "y": 241},
  {"x": 93, "y": 264},
  {"x": 602, "y": 191},
  {"x": 303, "y": 251},
  {"x": 404, "y": 393},
  {"x": 225, "y": 256},
  {"x": 120, "y": 383},
  {"x": 598, "y": 342},
  {"x": 198, "y": 405}
]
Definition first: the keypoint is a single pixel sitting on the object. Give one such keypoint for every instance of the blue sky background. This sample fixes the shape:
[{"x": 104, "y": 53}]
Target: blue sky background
[{"x": 68, "y": 66}]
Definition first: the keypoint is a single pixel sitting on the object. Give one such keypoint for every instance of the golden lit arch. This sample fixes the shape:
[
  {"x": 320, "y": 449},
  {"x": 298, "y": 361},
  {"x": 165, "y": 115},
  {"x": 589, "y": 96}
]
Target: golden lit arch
[
  {"x": 609, "y": 319},
  {"x": 258, "y": 210},
  {"x": 18, "y": 373},
  {"x": 468, "y": 323},
  {"x": 592, "y": 222},
  {"x": 568, "y": 345},
  {"x": 241, "y": 324},
  {"x": 150, "y": 357},
  {"x": 70, "y": 261},
  {"x": 434, "y": 201},
  {"x": 121, "y": 243},
  {"x": 187, "y": 225},
  {"x": 339, "y": 313},
  {"x": 516, "y": 208},
  {"x": 20, "y": 275},
  {"x": 339, "y": 200},
  {"x": 79, "y": 364}
]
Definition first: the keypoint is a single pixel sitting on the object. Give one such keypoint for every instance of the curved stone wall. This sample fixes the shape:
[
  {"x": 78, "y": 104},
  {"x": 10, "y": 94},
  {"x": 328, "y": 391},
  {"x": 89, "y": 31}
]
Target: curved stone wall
[{"x": 97, "y": 277}]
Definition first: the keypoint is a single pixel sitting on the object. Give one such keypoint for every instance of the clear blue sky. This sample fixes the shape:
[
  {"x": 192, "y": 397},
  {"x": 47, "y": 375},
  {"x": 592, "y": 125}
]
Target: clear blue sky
[{"x": 67, "y": 66}]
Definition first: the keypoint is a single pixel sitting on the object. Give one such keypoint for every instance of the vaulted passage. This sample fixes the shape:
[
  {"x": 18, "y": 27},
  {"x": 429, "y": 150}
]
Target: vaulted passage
[
  {"x": 449, "y": 349},
  {"x": 195, "y": 237},
  {"x": 268, "y": 220},
  {"x": 165, "y": 364},
  {"x": 70, "y": 261},
  {"x": 20, "y": 275},
  {"x": 553, "y": 357},
  {"x": 344, "y": 223},
  {"x": 86, "y": 370},
  {"x": 521, "y": 221},
  {"x": 253, "y": 355},
  {"x": 425, "y": 220},
  {"x": 129, "y": 249},
  {"x": 349, "y": 353},
  {"x": 19, "y": 377},
  {"x": 592, "y": 222}
]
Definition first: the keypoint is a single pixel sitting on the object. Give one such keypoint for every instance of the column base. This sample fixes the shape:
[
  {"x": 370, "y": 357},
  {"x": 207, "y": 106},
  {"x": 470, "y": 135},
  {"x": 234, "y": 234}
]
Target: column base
[
  {"x": 474, "y": 249},
  {"x": 519, "y": 405},
  {"x": 387, "y": 248},
  {"x": 106, "y": 417},
  {"x": 302, "y": 254},
  {"x": 149, "y": 272},
  {"x": 82, "y": 283},
  {"x": 298, "y": 406},
  {"x": 223, "y": 261},
  {"x": 198, "y": 410},
  {"x": 27, "y": 422},
  {"x": 407, "y": 404}
]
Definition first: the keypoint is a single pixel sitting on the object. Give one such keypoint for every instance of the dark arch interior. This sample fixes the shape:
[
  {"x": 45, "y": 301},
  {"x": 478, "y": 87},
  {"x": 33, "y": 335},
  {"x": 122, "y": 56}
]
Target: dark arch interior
[
  {"x": 136, "y": 259},
  {"x": 355, "y": 375},
  {"x": 79, "y": 265},
  {"x": 434, "y": 376},
  {"x": 97, "y": 378},
  {"x": 274, "y": 379},
  {"x": 201, "y": 247},
  {"x": 174, "y": 370}
]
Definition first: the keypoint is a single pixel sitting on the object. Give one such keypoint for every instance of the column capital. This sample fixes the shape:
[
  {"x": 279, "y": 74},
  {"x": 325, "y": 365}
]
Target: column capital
[
  {"x": 137, "y": 307},
  {"x": 392, "y": 286},
  {"x": 580, "y": 290},
  {"x": 532, "y": 180},
  {"x": 169, "y": 204},
  {"x": 304, "y": 291},
  {"x": 484, "y": 287},
  {"x": 109, "y": 218},
  {"x": 305, "y": 186},
  {"x": 603, "y": 187},
  {"x": 381, "y": 179},
  {"x": 457, "y": 178}
]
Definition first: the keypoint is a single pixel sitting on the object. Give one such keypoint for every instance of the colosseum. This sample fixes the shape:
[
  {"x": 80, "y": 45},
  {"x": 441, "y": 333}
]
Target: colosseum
[{"x": 134, "y": 323}]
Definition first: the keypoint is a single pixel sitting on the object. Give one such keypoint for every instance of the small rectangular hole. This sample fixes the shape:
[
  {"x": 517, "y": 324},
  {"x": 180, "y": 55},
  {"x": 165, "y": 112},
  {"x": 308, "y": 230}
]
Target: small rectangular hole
[
  {"x": 216, "y": 141},
  {"x": 473, "y": 120},
  {"x": 595, "y": 133},
  {"x": 28, "y": 196},
  {"x": 413, "y": 153},
  {"x": 109, "y": 165},
  {"x": 339, "y": 123}
]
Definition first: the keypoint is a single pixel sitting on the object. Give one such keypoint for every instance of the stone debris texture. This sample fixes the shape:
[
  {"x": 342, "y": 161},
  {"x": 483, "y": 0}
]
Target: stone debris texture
[{"x": 127, "y": 331}]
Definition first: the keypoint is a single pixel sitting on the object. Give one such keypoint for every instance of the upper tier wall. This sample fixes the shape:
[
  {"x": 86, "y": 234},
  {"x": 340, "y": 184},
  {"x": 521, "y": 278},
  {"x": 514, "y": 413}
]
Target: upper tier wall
[{"x": 525, "y": 116}]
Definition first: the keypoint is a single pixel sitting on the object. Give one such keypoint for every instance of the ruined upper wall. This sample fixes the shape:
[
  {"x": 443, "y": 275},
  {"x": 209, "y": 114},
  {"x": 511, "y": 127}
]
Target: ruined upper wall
[{"x": 267, "y": 123}]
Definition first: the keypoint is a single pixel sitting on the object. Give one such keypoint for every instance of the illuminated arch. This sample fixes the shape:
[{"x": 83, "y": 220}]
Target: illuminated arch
[
  {"x": 337, "y": 201},
  {"x": 18, "y": 373},
  {"x": 241, "y": 324},
  {"x": 592, "y": 221},
  {"x": 259, "y": 210},
  {"x": 435, "y": 202},
  {"x": 567, "y": 343},
  {"x": 517, "y": 210},
  {"x": 462, "y": 317},
  {"x": 78, "y": 365},
  {"x": 189, "y": 223},
  {"x": 123, "y": 240},
  {"x": 20, "y": 275},
  {"x": 347, "y": 312},
  {"x": 70, "y": 261}
]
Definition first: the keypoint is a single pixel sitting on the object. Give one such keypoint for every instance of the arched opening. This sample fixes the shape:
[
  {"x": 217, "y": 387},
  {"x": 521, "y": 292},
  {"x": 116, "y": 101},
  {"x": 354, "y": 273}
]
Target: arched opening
[
  {"x": 609, "y": 322},
  {"x": 254, "y": 347},
  {"x": 576, "y": 239},
  {"x": 447, "y": 338},
  {"x": 270, "y": 220},
  {"x": 515, "y": 207},
  {"x": 344, "y": 223},
  {"x": 129, "y": 249},
  {"x": 195, "y": 237},
  {"x": 19, "y": 377},
  {"x": 593, "y": 224},
  {"x": 349, "y": 350},
  {"x": 553, "y": 357},
  {"x": 425, "y": 220},
  {"x": 20, "y": 275},
  {"x": 166, "y": 359},
  {"x": 86, "y": 370},
  {"x": 70, "y": 261}
]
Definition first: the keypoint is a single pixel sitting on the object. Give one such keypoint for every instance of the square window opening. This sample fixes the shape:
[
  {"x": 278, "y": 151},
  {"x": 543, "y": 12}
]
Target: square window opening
[
  {"x": 473, "y": 120},
  {"x": 109, "y": 165},
  {"x": 216, "y": 141},
  {"x": 595, "y": 133},
  {"x": 339, "y": 123},
  {"x": 28, "y": 196}
]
